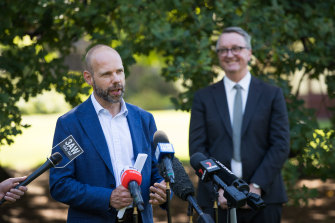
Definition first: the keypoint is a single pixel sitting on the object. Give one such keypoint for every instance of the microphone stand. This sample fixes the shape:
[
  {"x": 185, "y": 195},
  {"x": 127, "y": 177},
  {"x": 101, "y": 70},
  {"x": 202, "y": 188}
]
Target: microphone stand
[
  {"x": 168, "y": 203},
  {"x": 135, "y": 214},
  {"x": 215, "y": 206},
  {"x": 231, "y": 214},
  {"x": 190, "y": 213},
  {"x": 168, "y": 193},
  {"x": 203, "y": 217}
]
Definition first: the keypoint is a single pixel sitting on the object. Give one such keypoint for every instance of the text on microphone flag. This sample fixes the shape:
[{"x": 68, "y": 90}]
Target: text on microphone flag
[
  {"x": 163, "y": 148},
  {"x": 209, "y": 165},
  {"x": 69, "y": 149}
]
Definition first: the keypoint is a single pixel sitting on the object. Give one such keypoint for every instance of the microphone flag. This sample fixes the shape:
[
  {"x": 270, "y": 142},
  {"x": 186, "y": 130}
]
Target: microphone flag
[{"x": 69, "y": 149}]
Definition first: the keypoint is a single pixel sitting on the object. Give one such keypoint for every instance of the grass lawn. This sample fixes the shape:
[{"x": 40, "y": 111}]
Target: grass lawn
[{"x": 34, "y": 145}]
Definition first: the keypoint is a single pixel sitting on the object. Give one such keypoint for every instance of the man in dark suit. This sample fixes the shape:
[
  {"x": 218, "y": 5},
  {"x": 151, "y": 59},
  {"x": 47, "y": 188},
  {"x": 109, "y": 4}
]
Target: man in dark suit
[
  {"x": 112, "y": 133},
  {"x": 255, "y": 143}
]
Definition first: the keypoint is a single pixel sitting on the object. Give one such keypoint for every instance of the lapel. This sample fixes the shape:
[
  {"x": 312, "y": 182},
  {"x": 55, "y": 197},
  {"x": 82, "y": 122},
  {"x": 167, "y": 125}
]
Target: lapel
[
  {"x": 220, "y": 99},
  {"x": 135, "y": 128},
  {"x": 89, "y": 120},
  {"x": 250, "y": 108}
]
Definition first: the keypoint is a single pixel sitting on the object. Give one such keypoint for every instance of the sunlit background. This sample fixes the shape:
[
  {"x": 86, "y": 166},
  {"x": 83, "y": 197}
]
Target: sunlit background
[{"x": 35, "y": 144}]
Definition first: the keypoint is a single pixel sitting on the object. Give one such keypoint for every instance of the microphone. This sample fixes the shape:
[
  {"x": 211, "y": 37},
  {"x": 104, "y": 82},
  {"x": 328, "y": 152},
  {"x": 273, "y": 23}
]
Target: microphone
[
  {"x": 132, "y": 179},
  {"x": 139, "y": 163},
  {"x": 183, "y": 188},
  {"x": 253, "y": 200},
  {"x": 164, "y": 153},
  {"x": 228, "y": 177},
  {"x": 208, "y": 170},
  {"x": 51, "y": 162}
]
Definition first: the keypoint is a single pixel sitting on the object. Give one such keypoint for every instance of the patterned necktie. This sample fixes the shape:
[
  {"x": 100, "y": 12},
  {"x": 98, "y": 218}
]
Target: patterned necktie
[{"x": 237, "y": 123}]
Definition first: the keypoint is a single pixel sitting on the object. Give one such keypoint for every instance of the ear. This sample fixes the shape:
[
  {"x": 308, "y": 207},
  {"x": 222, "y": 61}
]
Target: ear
[
  {"x": 88, "y": 77},
  {"x": 249, "y": 55}
]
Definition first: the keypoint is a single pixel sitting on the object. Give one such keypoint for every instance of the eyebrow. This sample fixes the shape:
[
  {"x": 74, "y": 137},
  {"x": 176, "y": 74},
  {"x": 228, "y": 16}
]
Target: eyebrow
[{"x": 108, "y": 72}]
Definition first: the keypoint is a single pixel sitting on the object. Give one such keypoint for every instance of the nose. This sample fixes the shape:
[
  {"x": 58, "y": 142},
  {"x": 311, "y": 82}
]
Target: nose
[
  {"x": 116, "y": 78},
  {"x": 229, "y": 53}
]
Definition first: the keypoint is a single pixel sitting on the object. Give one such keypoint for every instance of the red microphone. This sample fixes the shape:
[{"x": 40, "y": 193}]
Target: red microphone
[{"x": 132, "y": 179}]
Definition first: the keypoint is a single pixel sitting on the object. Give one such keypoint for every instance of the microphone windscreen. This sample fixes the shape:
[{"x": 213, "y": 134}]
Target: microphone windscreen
[
  {"x": 130, "y": 175},
  {"x": 56, "y": 158},
  {"x": 195, "y": 160},
  {"x": 160, "y": 137},
  {"x": 183, "y": 186}
]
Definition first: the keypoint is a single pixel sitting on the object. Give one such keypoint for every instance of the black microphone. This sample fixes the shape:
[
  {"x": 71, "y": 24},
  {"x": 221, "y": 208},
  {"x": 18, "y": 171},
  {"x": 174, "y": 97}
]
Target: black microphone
[
  {"x": 230, "y": 179},
  {"x": 164, "y": 153},
  {"x": 253, "y": 200},
  {"x": 51, "y": 162},
  {"x": 183, "y": 188},
  {"x": 208, "y": 170}
]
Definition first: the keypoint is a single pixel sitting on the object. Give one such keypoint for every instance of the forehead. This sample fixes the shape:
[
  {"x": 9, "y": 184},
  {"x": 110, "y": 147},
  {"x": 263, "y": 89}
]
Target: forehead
[
  {"x": 231, "y": 39},
  {"x": 106, "y": 59}
]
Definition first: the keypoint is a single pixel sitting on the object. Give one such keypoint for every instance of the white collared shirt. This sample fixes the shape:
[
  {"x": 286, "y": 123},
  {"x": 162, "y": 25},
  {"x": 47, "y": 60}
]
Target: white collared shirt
[
  {"x": 118, "y": 138},
  {"x": 231, "y": 92},
  {"x": 236, "y": 167}
]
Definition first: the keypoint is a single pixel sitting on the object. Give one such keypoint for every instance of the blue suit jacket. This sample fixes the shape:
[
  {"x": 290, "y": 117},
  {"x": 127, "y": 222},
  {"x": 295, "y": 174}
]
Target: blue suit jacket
[
  {"x": 264, "y": 137},
  {"x": 87, "y": 182}
]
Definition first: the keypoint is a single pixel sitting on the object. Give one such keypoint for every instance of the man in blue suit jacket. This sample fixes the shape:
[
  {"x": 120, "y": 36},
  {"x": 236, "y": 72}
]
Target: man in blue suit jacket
[
  {"x": 112, "y": 133},
  {"x": 263, "y": 135}
]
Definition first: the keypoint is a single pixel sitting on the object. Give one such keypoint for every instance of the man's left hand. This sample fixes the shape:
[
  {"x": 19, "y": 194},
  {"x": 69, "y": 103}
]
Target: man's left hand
[
  {"x": 255, "y": 191},
  {"x": 158, "y": 193}
]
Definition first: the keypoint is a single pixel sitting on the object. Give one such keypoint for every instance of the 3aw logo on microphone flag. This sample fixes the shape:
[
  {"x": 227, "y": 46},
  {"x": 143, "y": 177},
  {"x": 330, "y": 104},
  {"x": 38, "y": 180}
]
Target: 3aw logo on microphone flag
[{"x": 69, "y": 149}]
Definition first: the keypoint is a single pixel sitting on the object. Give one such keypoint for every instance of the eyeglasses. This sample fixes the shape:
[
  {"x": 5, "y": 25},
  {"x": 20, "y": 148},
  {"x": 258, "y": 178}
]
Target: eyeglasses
[{"x": 234, "y": 50}]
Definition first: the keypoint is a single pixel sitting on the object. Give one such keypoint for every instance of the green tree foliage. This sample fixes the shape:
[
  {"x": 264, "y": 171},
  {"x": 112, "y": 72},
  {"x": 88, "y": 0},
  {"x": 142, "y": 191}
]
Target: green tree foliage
[
  {"x": 288, "y": 36},
  {"x": 147, "y": 88}
]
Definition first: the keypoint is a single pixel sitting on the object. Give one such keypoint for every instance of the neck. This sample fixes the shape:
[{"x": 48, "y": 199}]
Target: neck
[{"x": 113, "y": 108}]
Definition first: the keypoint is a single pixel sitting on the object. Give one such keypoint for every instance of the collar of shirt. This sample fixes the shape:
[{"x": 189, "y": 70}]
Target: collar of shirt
[
  {"x": 98, "y": 108},
  {"x": 244, "y": 82},
  {"x": 230, "y": 92}
]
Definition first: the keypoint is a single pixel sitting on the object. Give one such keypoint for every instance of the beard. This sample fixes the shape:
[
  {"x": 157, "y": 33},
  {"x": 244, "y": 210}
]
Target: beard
[{"x": 104, "y": 93}]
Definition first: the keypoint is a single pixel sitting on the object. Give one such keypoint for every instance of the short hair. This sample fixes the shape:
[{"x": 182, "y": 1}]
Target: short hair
[
  {"x": 90, "y": 52},
  {"x": 238, "y": 30}
]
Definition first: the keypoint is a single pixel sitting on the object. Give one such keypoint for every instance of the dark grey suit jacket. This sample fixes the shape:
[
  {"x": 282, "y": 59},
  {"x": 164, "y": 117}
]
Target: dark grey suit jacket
[{"x": 264, "y": 138}]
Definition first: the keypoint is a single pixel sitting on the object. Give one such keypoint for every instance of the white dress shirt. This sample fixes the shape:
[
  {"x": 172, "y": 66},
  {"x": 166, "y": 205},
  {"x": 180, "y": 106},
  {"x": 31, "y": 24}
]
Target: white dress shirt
[
  {"x": 118, "y": 138},
  {"x": 236, "y": 167}
]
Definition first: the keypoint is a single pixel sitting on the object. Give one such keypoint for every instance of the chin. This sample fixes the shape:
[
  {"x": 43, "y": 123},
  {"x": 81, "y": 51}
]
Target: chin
[
  {"x": 234, "y": 67},
  {"x": 232, "y": 70}
]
